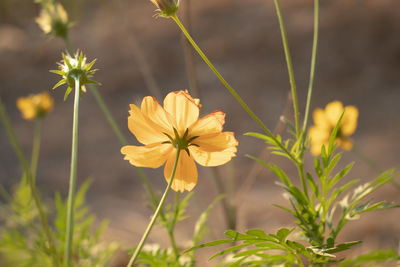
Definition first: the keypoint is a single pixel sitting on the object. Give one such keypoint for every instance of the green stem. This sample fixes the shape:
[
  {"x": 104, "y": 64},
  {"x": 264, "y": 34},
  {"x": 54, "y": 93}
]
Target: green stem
[
  {"x": 172, "y": 228},
  {"x": 300, "y": 168},
  {"x": 312, "y": 72},
  {"x": 108, "y": 115},
  {"x": 72, "y": 180},
  {"x": 156, "y": 213},
  {"x": 230, "y": 89},
  {"x": 21, "y": 157},
  {"x": 35, "y": 148},
  {"x": 290, "y": 68}
]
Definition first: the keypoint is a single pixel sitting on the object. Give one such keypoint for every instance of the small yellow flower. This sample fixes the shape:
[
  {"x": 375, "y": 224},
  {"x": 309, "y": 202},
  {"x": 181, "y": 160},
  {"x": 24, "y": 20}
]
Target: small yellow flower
[
  {"x": 162, "y": 129},
  {"x": 326, "y": 120},
  {"x": 53, "y": 20},
  {"x": 35, "y": 106},
  {"x": 166, "y": 8}
]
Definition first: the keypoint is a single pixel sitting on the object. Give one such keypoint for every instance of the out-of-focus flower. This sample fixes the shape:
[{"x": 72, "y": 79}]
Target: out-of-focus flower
[
  {"x": 35, "y": 106},
  {"x": 326, "y": 120},
  {"x": 73, "y": 69},
  {"x": 166, "y": 8},
  {"x": 53, "y": 20},
  {"x": 162, "y": 130}
]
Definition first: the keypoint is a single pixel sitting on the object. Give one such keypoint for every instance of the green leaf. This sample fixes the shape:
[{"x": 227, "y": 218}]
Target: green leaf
[
  {"x": 67, "y": 92},
  {"x": 375, "y": 256},
  {"x": 340, "y": 175},
  {"x": 275, "y": 169}
]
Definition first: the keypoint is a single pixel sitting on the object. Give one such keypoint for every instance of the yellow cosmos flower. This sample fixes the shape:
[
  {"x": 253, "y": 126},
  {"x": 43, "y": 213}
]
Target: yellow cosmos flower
[
  {"x": 35, "y": 106},
  {"x": 161, "y": 129},
  {"x": 326, "y": 120}
]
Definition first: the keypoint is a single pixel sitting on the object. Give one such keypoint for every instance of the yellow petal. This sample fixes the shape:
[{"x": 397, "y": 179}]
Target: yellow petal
[
  {"x": 333, "y": 111},
  {"x": 146, "y": 131},
  {"x": 153, "y": 111},
  {"x": 183, "y": 109},
  {"x": 318, "y": 134},
  {"x": 349, "y": 121},
  {"x": 317, "y": 146},
  {"x": 27, "y": 108},
  {"x": 320, "y": 119},
  {"x": 151, "y": 156},
  {"x": 212, "y": 123},
  {"x": 216, "y": 142},
  {"x": 186, "y": 172},
  {"x": 214, "y": 149}
]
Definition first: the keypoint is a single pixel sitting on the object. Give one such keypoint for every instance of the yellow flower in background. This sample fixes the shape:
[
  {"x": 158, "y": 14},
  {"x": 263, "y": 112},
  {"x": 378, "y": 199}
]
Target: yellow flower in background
[
  {"x": 161, "y": 129},
  {"x": 326, "y": 120},
  {"x": 35, "y": 106},
  {"x": 53, "y": 19}
]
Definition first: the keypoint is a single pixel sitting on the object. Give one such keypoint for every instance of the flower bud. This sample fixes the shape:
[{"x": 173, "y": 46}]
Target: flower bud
[{"x": 166, "y": 8}]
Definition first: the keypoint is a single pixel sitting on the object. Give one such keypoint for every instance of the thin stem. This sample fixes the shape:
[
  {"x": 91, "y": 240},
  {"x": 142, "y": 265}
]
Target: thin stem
[
  {"x": 21, "y": 157},
  {"x": 302, "y": 178},
  {"x": 230, "y": 89},
  {"x": 189, "y": 56},
  {"x": 156, "y": 213},
  {"x": 35, "y": 148},
  {"x": 312, "y": 72},
  {"x": 107, "y": 113},
  {"x": 172, "y": 228},
  {"x": 290, "y": 68},
  {"x": 72, "y": 180}
]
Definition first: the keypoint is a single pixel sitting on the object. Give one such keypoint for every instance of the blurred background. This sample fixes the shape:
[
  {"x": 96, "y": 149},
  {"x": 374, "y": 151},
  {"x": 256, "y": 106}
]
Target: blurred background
[{"x": 137, "y": 55}]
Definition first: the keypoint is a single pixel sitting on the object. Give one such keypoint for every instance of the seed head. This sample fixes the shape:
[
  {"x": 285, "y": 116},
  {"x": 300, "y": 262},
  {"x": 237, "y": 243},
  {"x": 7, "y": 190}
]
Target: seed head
[{"x": 74, "y": 69}]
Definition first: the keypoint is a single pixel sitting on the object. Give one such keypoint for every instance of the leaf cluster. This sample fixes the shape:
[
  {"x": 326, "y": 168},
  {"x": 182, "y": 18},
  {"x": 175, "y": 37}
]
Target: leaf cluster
[{"x": 22, "y": 242}]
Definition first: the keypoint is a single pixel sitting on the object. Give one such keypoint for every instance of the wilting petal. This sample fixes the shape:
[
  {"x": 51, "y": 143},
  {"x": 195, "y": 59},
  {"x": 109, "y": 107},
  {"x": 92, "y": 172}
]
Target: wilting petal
[
  {"x": 153, "y": 111},
  {"x": 333, "y": 111},
  {"x": 151, "y": 156},
  {"x": 186, "y": 172},
  {"x": 183, "y": 108},
  {"x": 212, "y": 123},
  {"x": 349, "y": 121},
  {"x": 145, "y": 130},
  {"x": 214, "y": 149}
]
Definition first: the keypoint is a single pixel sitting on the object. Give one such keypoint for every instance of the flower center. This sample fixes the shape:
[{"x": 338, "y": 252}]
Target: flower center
[{"x": 181, "y": 143}]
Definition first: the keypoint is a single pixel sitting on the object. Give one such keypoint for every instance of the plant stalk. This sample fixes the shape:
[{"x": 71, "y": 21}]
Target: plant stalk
[
  {"x": 312, "y": 74},
  {"x": 230, "y": 89},
  {"x": 156, "y": 213},
  {"x": 290, "y": 68},
  {"x": 36, "y": 148},
  {"x": 72, "y": 180}
]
